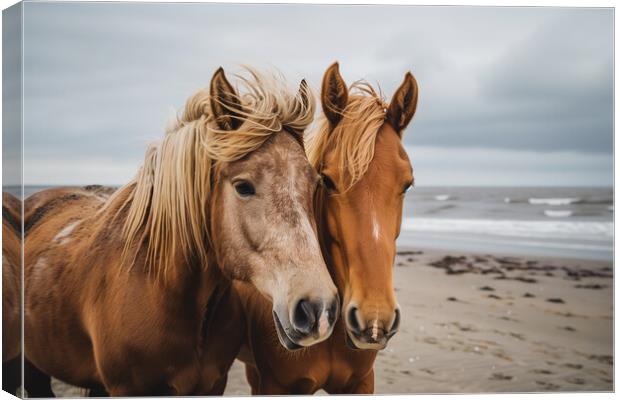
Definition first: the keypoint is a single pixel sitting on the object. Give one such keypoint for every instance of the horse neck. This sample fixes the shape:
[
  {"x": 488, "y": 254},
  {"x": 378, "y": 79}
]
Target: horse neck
[{"x": 185, "y": 277}]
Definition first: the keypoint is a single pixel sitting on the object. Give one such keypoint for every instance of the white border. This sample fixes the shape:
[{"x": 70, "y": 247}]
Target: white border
[{"x": 507, "y": 3}]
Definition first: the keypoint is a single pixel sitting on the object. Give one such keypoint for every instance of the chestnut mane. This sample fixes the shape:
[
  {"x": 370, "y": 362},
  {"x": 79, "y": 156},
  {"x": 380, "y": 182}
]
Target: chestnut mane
[{"x": 353, "y": 138}]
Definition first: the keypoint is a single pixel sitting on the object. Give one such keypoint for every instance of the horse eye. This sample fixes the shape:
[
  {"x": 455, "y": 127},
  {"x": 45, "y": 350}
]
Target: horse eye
[
  {"x": 328, "y": 183},
  {"x": 407, "y": 187},
  {"x": 245, "y": 189}
]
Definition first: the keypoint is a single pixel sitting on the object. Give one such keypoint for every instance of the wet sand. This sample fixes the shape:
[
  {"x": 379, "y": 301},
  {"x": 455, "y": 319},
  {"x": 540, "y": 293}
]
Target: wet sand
[{"x": 477, "y": 323}]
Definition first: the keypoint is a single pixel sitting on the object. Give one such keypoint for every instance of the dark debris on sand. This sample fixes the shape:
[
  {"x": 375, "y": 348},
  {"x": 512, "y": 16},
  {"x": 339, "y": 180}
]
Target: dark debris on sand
[
  {"x": 594, "y": 286},
  {"x": 605, "y": 359},
  {"x": 498, "y": 376},
  {"x": 523, "y": 279},
  {"x": 578, "y": 273},
  {"x": 409, "y": 260},
  {"x": 409, "y": 253},
  {"x": 569, "y": 328},
  {"x": 512, "y": 268}
]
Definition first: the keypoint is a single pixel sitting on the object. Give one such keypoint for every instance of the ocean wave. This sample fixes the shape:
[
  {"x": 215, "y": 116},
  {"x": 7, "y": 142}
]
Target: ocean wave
[
  {"x": 558, "y": 213},
  {"x": 589, "y": 230},
  {"x": 555, "y": 201},
  {"x": 442, "y": 197}
]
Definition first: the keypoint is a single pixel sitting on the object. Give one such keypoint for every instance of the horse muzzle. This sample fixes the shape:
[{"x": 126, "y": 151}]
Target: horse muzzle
[
  {"x": 370, "y": 334},
  {"x": 310, "y": 322}
]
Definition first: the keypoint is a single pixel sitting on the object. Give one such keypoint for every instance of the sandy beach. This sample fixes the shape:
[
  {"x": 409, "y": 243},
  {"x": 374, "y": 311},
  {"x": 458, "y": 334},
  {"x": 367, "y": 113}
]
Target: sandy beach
[{"x": 476, "y": 323}]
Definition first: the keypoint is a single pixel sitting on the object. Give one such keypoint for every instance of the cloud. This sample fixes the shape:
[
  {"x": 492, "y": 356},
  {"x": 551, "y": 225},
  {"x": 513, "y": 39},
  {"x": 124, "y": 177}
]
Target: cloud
[
  {"x": 100, "y": 78},
  {"x": 438, "y": 166},
  {"x": 79, "y": 170}
]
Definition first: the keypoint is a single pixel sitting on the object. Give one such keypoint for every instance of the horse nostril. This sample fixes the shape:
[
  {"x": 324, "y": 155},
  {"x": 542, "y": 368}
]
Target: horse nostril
[
  {"x": 306, "y": 316},
  {"x": 332, "y": 311},
  {"x": 396, "y": 323},
  {"x": 352, "y": 320}
]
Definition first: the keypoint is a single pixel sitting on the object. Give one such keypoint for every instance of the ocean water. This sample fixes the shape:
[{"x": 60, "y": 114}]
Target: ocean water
[{"x": 555, "y": 222}]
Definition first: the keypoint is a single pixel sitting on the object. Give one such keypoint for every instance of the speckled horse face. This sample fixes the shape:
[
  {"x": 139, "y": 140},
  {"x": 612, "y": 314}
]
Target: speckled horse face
[{"x": 266, "y": 235}]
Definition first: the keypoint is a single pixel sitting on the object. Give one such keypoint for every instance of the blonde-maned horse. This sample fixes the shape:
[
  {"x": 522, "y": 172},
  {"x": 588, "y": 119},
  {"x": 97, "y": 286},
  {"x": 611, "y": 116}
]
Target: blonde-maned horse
[
  {"x": 116, "y": 289},
  {"x": 366, "y": 172}
]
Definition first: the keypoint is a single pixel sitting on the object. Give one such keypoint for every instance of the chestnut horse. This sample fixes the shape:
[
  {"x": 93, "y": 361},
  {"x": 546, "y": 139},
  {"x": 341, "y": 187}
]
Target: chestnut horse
[
  {"x": 366, "y": 172},
  {"x": 117, "y": 289}
]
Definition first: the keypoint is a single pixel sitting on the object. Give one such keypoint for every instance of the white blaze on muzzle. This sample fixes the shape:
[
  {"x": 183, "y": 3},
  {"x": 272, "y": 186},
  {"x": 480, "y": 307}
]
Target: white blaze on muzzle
[{"x": 375, "y": 330}]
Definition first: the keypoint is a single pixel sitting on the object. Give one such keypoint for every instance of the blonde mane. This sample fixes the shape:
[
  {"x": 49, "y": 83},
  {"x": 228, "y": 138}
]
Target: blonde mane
[
  {"x": 169, "y": 205},
  {"x": 353, "y": 139}
]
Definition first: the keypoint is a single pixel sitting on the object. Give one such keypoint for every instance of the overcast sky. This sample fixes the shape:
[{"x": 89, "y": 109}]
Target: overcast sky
[{"x": 508, "y": 96}]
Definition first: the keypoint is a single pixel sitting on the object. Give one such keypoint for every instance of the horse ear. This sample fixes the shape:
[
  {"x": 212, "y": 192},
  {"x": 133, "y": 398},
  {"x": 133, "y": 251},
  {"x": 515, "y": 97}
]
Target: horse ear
[
  {"x": 334, "y": 94},
  {"x": 225, "y": 103},
  {"x": 303, "y": 94},
  {"x": 403, "y": 105}
]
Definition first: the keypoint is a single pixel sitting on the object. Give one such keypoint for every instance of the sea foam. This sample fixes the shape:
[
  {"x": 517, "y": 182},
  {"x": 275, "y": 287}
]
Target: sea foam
[
  {"x": 558, "y": 213},
  {"x": 555, "y": 201},
  {"x": 588, "y": 230}
]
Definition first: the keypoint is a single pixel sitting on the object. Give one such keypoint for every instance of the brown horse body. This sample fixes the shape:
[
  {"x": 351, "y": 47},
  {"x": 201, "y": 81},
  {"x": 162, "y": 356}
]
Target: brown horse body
[
  {"x": 120, "y": 292},
  {"x": 358, "y": 212},
  {"x": 91, "y": 309},
  {"x": 11, "y": 293}
]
